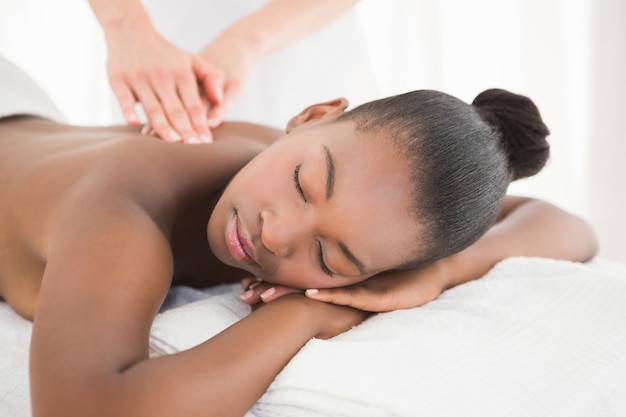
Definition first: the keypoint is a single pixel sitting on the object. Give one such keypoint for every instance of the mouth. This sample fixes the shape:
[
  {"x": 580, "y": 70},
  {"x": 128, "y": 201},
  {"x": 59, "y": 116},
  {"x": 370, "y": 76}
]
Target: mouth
[{"x": 237, "y": 243}]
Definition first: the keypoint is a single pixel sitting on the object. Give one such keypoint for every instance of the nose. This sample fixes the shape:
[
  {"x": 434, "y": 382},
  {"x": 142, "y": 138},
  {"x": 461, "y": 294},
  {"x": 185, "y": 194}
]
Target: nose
[{"x": 282, "y": 232}]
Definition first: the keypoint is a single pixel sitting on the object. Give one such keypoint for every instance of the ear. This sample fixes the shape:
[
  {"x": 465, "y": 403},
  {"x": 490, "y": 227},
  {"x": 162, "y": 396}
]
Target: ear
[{"x": 316, "y": 112}]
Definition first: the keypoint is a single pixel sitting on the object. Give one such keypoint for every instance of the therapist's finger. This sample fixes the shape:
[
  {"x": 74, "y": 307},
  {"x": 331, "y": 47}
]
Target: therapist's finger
[
  {"x": 126, "y": 100},
  {"x": 212, "y": 82},
  {"x": 211, "y": 79},
  {"x": 196, "y": 111},
  {"x": 175, "y": 111},
  {"x": 154, "y": 111}
]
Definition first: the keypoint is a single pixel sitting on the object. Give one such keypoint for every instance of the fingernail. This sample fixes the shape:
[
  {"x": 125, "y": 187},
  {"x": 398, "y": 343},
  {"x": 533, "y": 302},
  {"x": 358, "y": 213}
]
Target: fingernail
[
  {"x": 205, "y": 139},
  {"x": 312, "y": 291},
  {"x": 132, "y": 119},
  {"x": 212, "y": 122},
  {"x": 145, "y": 129},
  {"x": 247, "y": 294},
  {"x": 254, "y": 285},
  {"x": 268, "y": 293},
  {"x": 174, "y": 136},
  {"x": 193, "y": 139}
]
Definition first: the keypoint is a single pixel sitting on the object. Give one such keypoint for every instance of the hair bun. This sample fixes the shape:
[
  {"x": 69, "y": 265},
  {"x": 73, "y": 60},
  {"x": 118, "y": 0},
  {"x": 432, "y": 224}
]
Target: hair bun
[{"x": 522, "y": 132}]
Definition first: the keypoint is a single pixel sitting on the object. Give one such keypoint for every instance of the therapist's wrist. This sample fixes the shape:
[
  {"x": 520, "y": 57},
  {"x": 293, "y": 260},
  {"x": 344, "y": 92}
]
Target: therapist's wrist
[
  {"x": 118, "y": 26},
  {"x": 241, "y": 38}
]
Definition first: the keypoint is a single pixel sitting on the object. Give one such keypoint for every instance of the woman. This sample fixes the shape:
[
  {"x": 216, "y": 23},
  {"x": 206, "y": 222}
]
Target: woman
[{"x": 99, "y": 222}]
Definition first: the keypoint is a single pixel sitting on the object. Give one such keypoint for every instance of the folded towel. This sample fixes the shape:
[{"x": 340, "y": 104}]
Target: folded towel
[
  {"x": 535, "y": 337},
  {"x": 14, "y": 341}
]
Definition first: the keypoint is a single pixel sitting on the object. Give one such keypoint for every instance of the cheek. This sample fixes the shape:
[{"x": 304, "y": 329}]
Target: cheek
[
  {"x": 305, "y": 275},
  {"x": 298, "y": 274}
]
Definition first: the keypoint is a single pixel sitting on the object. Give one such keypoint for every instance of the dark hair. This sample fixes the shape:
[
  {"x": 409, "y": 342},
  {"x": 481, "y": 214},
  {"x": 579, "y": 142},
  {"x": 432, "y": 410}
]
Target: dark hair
[{"x": 462, "y": 157}]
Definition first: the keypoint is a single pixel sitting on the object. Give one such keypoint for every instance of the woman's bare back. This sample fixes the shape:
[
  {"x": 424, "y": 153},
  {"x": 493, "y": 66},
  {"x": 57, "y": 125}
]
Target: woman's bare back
[{"x": 44, "y": 166}]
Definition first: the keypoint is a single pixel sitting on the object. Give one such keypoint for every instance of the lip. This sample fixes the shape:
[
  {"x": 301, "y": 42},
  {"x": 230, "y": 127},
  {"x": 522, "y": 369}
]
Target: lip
[{"x": 238, "y": 246}]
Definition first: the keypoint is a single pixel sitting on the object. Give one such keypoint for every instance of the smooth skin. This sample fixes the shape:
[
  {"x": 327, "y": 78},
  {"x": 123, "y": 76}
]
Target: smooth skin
[
  {"x": 98, "y": 223},
  {"x": 185, "y": 94}
]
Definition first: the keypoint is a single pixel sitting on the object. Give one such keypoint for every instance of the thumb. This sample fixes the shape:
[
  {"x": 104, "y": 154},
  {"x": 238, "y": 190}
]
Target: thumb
[{"x": 211, "y": 80}]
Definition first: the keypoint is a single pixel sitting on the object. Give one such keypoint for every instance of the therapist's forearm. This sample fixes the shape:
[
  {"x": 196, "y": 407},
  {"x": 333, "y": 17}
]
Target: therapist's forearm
[
  {"x": 120, "y": 15},
  {"x": 280, "y": 23}
]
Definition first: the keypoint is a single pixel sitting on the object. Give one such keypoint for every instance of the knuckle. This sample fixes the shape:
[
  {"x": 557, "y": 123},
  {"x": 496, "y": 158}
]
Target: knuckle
[
  {"x": 154, "y": 112},
  {"x": 159, "y": 125},
  {"x": 137, "y": 76},
  {"x": 196, "y": 110}
]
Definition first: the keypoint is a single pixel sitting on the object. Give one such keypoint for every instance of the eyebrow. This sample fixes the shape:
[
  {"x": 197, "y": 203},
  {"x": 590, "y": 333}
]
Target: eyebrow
[
  {"x": 352, "y": 258},
  {"x": 330, "y": 188},
  {"x": 330, "y": 173}
]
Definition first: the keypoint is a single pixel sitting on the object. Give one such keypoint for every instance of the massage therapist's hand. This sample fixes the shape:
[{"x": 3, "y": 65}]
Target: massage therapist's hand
[
  {"x": 143, "y": 67},
  {"x": 388, "y": 291},
  {"x": 234, "y": 57}
]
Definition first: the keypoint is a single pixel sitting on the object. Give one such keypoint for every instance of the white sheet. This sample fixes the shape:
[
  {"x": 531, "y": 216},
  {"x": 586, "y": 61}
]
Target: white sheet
[{"x": 534, "y": 337}]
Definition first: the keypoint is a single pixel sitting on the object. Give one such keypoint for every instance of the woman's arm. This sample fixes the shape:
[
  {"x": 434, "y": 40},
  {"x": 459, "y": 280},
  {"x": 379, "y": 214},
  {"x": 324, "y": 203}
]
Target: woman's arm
[
  {"x": 108, "y": 270},
  {"x": 237, "y": 50},
  {"x": 525, "y": 227}
]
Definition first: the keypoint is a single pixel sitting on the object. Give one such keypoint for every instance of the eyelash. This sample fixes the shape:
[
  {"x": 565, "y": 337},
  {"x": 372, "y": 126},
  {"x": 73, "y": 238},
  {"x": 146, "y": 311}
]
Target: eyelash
[
  {"x": 320, "y": 256},
  {"x": 320, "y": 253},
  {"x": 296, "y": 180}
]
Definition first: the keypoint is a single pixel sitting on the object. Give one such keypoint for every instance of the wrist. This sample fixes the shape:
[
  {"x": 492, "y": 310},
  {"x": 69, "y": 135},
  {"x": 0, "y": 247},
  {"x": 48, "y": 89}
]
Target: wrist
[
  {"x": 239, "y": 37},
  {"x": 122, "y": 25}
]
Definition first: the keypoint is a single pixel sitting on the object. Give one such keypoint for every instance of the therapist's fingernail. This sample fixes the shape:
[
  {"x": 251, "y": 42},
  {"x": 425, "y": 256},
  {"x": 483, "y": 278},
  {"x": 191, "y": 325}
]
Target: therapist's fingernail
[
  {"x": 132, "y": 119},
  {"x": 268, "y": 293},
  {"x": 192, "y": 139},
  {"x": 205, "y": 139},
  {"x": 173, "y": 136},
  {"x": 312, "y": 291}
]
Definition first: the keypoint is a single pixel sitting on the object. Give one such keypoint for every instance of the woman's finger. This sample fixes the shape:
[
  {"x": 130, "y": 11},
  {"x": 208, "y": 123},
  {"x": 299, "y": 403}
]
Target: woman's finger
[
  {"x": 173, "y": 108},
  {"x": 252, "y": 293},
  {"x": 276, "y": 292},
  {"x": 190, "y": 95},
  {"x": 356, "y": 296},
  {"x": 154, "y": 111},
  {"x": 126, "y": 100}
]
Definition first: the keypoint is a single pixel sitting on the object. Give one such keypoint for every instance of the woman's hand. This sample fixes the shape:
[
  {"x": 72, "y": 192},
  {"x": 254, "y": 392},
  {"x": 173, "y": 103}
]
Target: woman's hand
[
  {"x": 143, "y": 67},
  {"x": 388, "y": 291},
  {"x": 384, "y": 292},
  {"x": 256, "y": 291}
]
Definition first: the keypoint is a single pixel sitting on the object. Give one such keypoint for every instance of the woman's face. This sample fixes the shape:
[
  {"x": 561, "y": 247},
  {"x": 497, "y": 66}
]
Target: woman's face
[{"x": 320, "y": 208}]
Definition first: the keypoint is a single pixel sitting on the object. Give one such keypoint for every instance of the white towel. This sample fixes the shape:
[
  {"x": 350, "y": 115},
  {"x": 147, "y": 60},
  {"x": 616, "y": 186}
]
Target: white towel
[
  {"x": 535, "y": 337},
  {"x": 14, "y": 341}
]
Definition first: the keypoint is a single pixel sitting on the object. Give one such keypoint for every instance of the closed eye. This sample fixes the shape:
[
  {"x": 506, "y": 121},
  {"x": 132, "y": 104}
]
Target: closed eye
[
  {"x": 320, "y": 253},
  {"x": 320, "y": 257},
  {"x": 296, "y": 180}
]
